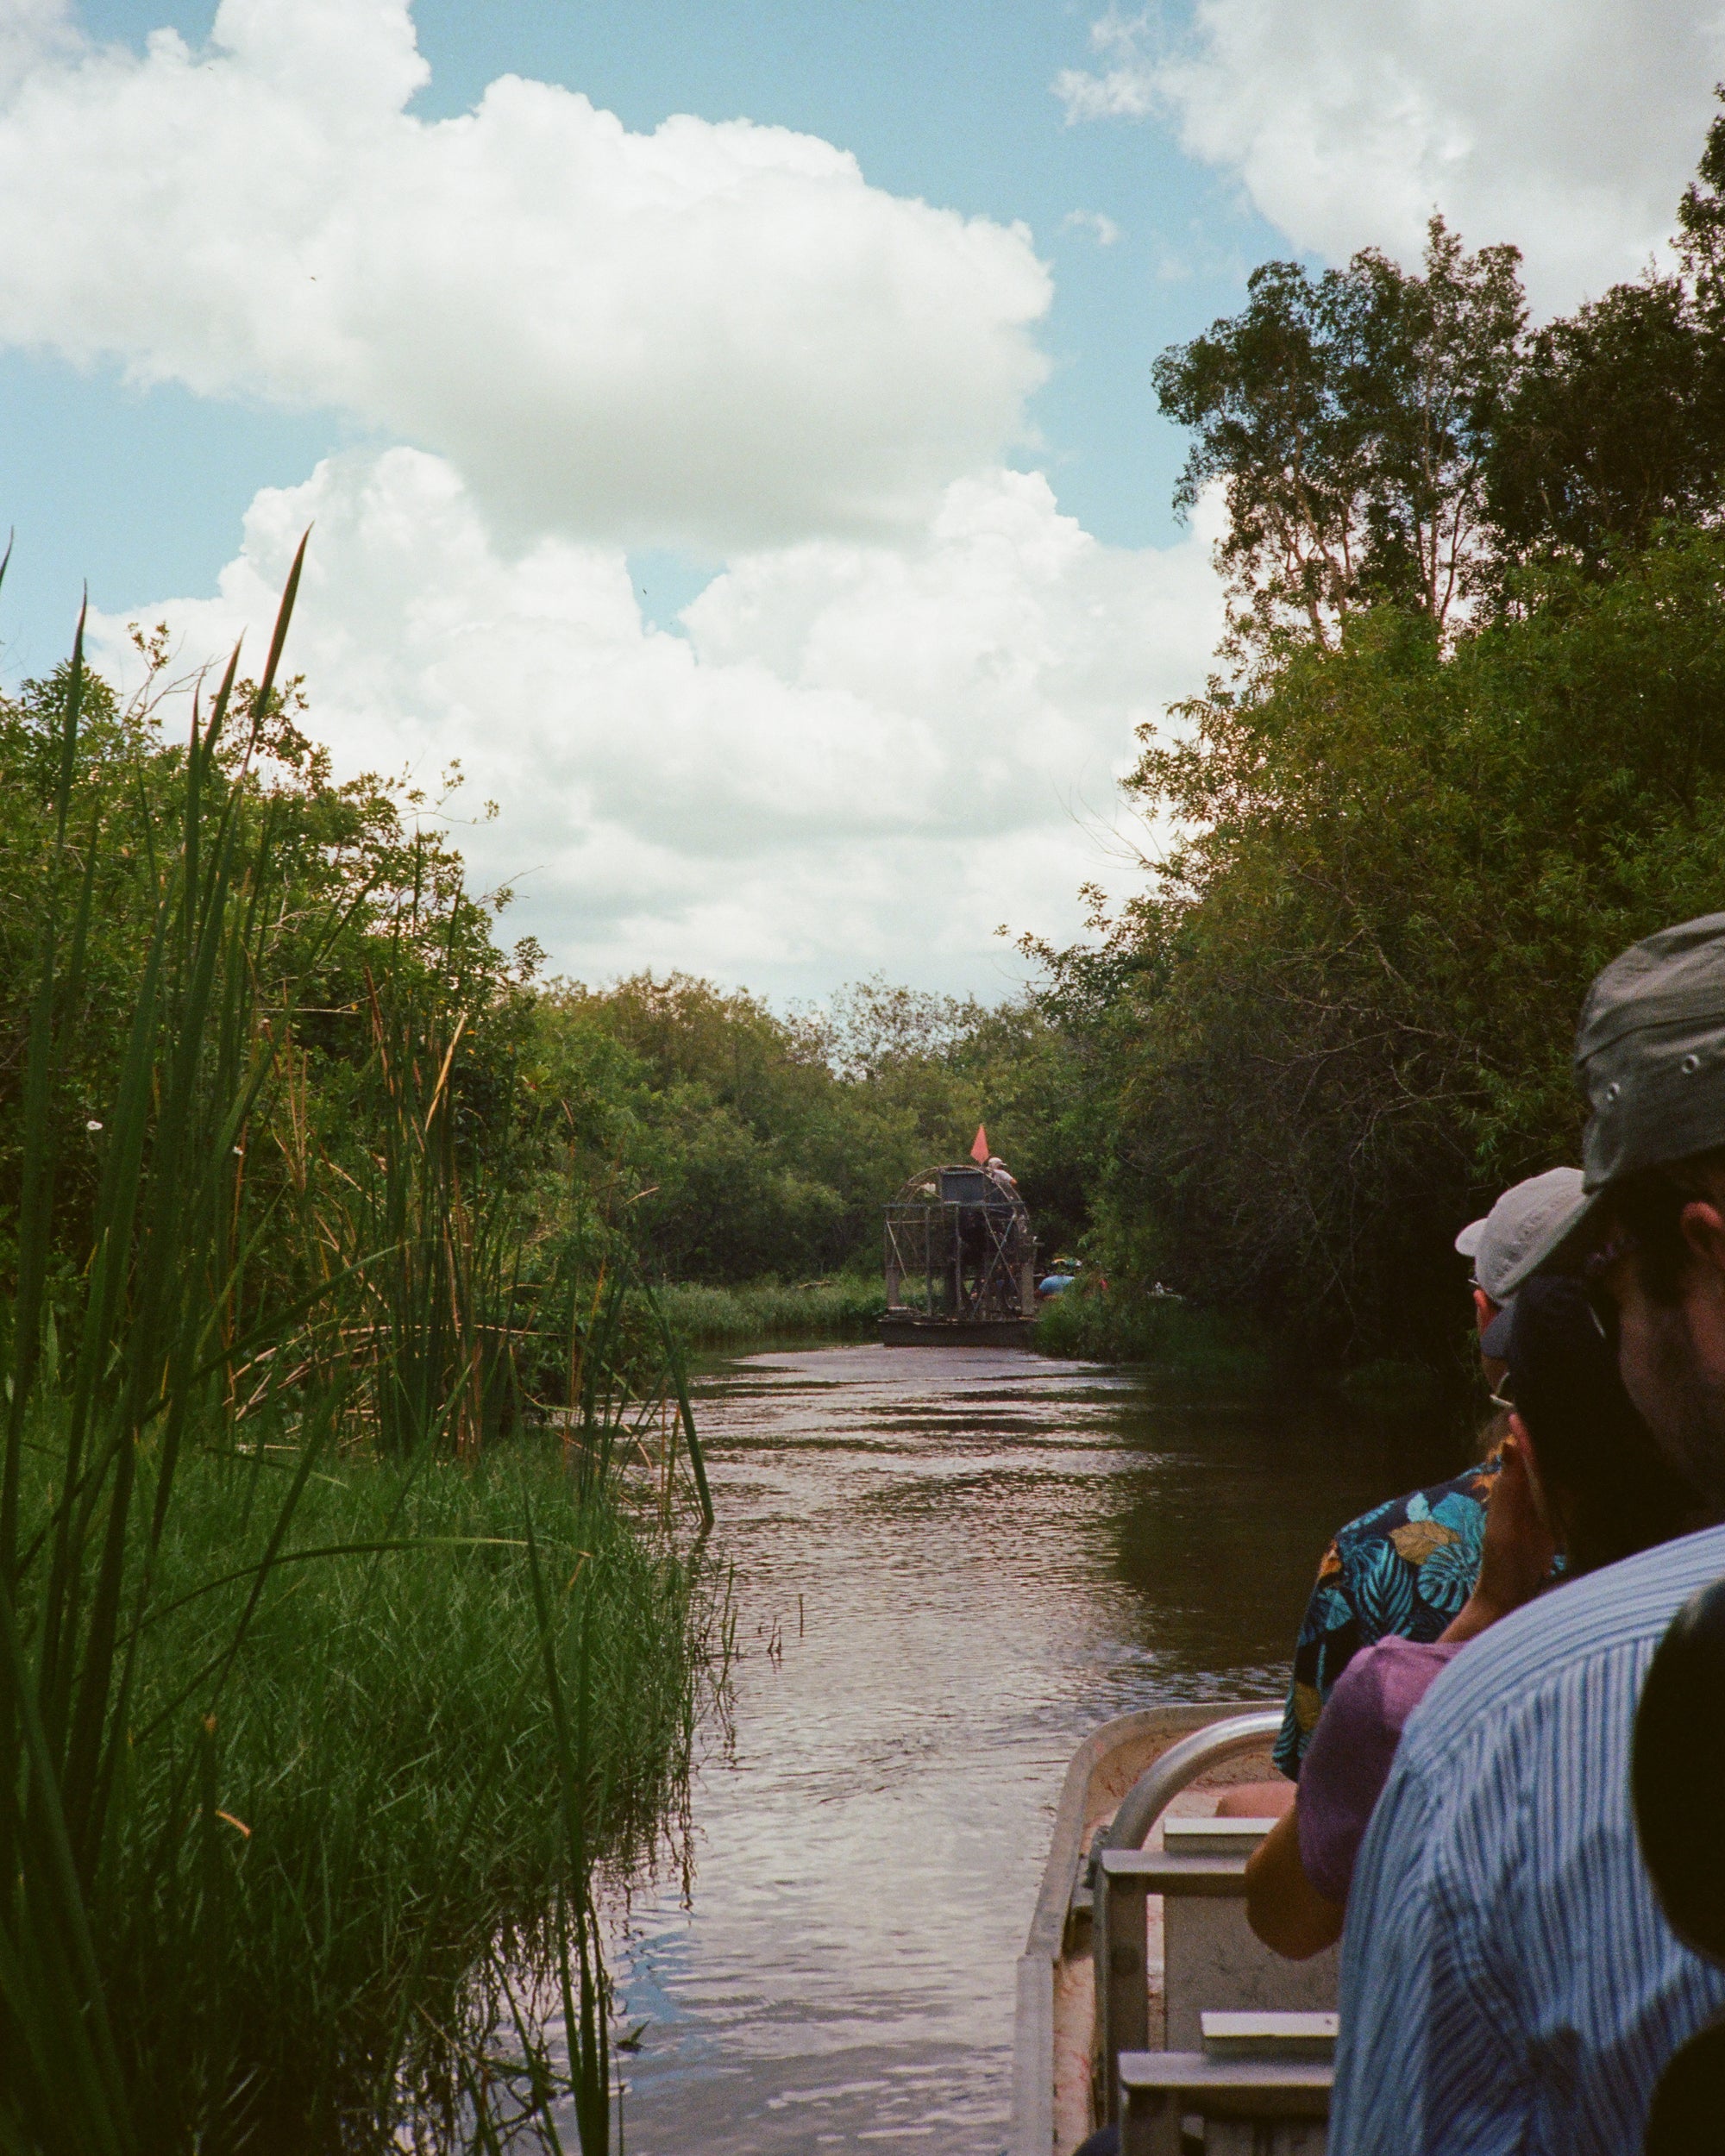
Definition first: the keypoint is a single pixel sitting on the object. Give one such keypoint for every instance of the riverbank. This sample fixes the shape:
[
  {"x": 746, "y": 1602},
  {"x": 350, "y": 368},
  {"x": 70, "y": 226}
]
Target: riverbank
[
  {"x": 847, "y": 1307},
  {"x": 376, "y": 1747},
  {"x": 1212, "y": 1350},
  {"x": 1195, "y": 1346}
]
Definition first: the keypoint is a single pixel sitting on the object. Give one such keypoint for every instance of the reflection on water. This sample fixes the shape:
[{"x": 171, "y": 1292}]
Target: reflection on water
[{"x": 969, "y": 1557}]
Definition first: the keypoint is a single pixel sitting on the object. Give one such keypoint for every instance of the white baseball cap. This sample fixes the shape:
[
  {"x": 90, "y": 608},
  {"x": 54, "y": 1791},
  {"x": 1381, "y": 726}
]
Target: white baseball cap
[{"x": 1520, "y": 1222}]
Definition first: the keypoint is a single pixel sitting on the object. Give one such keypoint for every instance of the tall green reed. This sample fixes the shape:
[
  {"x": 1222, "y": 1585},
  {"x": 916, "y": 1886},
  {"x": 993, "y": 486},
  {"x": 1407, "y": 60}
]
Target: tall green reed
[
  {"x": 847, "y": 1307},
  {"x": 457, "y": 1316},
  {"x": 140, "y": 1355},
  {"x": 239, "y": 1346}
]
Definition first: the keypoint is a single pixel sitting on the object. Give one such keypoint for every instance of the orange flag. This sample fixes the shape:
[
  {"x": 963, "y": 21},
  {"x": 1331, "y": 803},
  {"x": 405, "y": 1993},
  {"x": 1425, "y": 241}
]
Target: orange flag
[{"x": 979, "y": 1146}]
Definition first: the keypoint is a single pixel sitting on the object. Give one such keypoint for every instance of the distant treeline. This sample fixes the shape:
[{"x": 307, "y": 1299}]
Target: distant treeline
[
  {"x": 1466, "y": 740},
  {"x": 739, "y": 1144},
  {"x": 683, "y": 1130}
]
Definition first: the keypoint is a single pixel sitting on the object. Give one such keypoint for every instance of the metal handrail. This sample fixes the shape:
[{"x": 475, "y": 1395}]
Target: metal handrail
[
  {"x": 1180, "y": 1766},
  {"x": 1046, "y": 1944},
  {"x": 1122, "y": 1979}
]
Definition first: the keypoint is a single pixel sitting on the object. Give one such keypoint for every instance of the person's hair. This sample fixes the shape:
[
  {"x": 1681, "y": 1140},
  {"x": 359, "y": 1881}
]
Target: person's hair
[
  {"x": 1491, "y": 1434},
  {"x": 1650, "y": 1204},
  {"x": 1594, "y": 1455}
]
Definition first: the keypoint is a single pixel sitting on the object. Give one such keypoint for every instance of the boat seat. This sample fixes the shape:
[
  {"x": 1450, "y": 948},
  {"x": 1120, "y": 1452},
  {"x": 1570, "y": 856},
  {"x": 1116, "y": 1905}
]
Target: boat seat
[
  {"x": 1211, "y": 1956},
  {"x": 1260, "y": 2086}
]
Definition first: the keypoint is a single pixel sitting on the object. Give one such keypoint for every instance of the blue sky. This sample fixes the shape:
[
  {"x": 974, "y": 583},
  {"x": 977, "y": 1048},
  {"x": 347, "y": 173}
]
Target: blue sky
[
  {"x": 141, "y": 491},
  {"x": 765, "y": 506}
]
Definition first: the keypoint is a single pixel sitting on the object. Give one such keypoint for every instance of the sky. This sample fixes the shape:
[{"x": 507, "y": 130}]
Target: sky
[{"x": 726, "y": 430}]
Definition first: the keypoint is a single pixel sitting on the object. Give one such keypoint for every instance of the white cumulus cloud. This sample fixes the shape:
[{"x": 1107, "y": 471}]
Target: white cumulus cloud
[
  {"x": 33, "y": 32},
  {"x": 1097, "y": 222},
  {"x": 895, "y": 715},
  {"x": 859, "y": 754},
  {"x": 1570, "y": 129},
  {"x": 716, "y": 334}
]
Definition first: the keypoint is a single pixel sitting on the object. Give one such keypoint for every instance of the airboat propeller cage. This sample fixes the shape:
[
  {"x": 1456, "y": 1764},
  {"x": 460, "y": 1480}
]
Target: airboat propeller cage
[{"x": 959, "y": 1253}]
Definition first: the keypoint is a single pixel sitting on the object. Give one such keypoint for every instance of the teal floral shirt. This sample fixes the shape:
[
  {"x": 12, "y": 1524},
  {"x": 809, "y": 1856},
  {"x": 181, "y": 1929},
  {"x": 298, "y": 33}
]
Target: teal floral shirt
[{"x": 1405, "y": 1568}]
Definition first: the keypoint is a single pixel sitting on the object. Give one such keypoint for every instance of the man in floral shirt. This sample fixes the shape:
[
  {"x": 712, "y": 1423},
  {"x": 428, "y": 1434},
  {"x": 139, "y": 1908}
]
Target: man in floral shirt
[{"x": 1406, "y": 1568}]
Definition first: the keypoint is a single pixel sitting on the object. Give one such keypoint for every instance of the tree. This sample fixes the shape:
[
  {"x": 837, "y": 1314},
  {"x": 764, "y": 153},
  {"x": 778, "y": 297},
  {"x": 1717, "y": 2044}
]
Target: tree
[
  {"x": 1473, "y": 744},
  {"x": 1701, "y": 227},
  {"x": 354, "y": 896},
  {"x": 1349, "y": 419},
  {"x": 733, "y": 1142},
  {"x": 1615, "y": 424},
  {"x": 1340, "y": 1020}
]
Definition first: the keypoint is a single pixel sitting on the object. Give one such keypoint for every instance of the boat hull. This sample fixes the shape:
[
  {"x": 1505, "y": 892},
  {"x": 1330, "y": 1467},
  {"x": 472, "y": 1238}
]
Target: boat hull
[
  {"x": 955, "y": 1332},
  {"x": 1054, "y": 2031}
]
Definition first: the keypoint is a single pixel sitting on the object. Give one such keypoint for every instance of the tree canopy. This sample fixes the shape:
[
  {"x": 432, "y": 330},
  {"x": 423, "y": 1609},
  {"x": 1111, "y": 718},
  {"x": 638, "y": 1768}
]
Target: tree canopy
[
  {"x": 1349, "y": 418},
  {"x": 1386, "y": 436},
  {"x": 1467, "y": 742}
]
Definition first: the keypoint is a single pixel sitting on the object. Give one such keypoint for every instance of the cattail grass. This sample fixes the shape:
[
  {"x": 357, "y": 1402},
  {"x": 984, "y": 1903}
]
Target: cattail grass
[
  {"x": 325, "y": 1875},
  {"x": 331, "y": 1673}
]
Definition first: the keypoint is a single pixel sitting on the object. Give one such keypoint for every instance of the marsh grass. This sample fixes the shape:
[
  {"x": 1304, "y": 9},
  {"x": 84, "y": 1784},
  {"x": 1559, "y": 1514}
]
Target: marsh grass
[
  {"x": 395, "y": 1764},
  {"x": 846, "y": 1306},
  {"x": 1197, "y": 1347},
  {"x": 322, "y": 1708},
  {"x": 365, "y": 1837}
]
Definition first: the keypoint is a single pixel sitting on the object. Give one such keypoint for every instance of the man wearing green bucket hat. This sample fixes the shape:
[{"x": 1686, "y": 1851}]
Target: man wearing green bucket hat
[{"x": 1509, "y": 1981}]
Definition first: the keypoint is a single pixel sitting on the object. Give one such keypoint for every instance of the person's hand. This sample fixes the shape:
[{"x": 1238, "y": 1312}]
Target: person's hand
[{"x": 1516, "y": 1562}]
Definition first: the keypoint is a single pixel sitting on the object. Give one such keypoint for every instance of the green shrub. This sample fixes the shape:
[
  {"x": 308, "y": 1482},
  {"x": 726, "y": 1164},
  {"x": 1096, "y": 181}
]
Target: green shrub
[
  {"x": 1195, "y": 1346},
  {"x": 848, "y": 1306}
]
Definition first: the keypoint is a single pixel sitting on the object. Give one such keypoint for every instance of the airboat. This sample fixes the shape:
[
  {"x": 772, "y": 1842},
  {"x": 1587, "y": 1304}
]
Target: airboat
[{"x": 960, "y": 1261}]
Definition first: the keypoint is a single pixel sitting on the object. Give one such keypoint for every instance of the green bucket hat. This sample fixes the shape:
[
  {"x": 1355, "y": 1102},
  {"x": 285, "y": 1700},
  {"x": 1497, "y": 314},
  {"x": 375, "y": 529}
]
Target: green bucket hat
[{"x": 1650, "y": 1056}]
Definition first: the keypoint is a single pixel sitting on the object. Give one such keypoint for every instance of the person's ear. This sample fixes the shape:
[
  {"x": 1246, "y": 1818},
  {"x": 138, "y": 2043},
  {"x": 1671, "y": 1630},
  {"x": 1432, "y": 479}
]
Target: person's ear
[
  {"x": 1704, "y": 1231},
  {"x": 1484, "y": 1310}
]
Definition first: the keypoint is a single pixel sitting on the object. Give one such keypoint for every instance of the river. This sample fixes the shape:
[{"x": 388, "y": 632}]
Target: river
[{"x": 950, "y": 1564}]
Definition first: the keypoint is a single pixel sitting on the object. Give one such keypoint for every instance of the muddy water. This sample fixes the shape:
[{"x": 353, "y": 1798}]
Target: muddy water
[{"x": 950, "y": 1565}]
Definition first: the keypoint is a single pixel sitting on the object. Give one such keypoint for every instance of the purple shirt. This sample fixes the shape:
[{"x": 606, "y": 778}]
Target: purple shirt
[{"x": 1348, "y": 1760}]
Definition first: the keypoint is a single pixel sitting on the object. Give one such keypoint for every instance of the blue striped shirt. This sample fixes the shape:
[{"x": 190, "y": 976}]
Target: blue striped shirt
[{"x": 1509, "y": 1983}]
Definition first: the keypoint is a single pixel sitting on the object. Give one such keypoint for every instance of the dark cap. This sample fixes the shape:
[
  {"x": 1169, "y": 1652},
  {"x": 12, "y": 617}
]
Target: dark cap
[{"x": 1650, "y": 1055}]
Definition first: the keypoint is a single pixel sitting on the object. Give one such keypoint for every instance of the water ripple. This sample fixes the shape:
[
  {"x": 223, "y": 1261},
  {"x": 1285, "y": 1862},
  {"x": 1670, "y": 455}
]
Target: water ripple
[{"x": 993, "y": 1552}]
